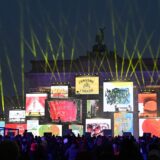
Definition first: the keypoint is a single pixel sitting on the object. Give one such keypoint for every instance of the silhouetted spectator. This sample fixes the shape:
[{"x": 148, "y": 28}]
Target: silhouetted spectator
[
  {"x": 129, "y": 150},
  {"x": 9, "y": 150},
  {"x": 72, "y": 151}
]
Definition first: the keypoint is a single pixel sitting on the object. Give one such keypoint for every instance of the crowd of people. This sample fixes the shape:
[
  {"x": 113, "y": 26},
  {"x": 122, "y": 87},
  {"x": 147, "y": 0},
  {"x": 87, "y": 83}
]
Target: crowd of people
[{"x": 70, "y": 147}]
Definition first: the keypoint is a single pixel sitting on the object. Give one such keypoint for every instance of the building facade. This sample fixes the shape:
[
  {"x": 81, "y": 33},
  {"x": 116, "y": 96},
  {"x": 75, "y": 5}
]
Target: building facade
[{"x": 143, "y": 73}]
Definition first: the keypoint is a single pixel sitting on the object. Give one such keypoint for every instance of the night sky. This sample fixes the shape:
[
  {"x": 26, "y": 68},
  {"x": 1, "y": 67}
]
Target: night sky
[{"x": 72, "y": 24}]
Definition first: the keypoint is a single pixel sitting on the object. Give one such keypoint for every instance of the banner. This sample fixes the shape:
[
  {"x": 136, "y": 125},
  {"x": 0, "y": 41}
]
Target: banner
[
  {"x": 123, "y": 122},
  {"x": 117, "y": 96},
  {"x": 59, "y": 91},
  {"x": 87, "y": 85}
]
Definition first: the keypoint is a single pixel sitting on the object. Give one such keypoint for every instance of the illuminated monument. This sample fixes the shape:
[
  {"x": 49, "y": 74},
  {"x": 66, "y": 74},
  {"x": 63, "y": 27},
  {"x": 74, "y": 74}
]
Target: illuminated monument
[
  {"x": 108, "y": 65},
  {"x": 104, "y": 91}
]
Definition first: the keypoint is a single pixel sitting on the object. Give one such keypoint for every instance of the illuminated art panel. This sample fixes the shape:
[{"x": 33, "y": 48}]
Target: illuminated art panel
[
  {"x": 149, "y": 125},
  {"x": 17, "y": 115},
  {"x": 147, "y": 104},
  {"x": 35, "y": 104},
  {"x": 52, "y": 128},
  {"x": 59, "y": 91},
  {"x": 96, "y": 126},
  {"x": 93, "y": 108},
  {"x": 32, "y": 126},
  {"x": 21, "y": 127},
  {"x": 123, "y": 122},
  {"x": 76, "y": 129},
  {"x": 2, "y": 124},
  {"x": 66, "y": 110},
  {"x": 87, "y": 85},
  {"x": 117, "y": 96}
]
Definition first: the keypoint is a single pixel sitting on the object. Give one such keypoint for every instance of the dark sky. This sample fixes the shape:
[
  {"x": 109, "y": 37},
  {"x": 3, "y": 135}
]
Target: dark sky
[{"x": 72, "y": 24}]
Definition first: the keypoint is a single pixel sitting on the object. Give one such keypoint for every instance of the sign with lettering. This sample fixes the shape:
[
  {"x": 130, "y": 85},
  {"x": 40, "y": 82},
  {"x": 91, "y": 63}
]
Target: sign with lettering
[
  {"x": 59, "y": 91},
  {"x": 87, "y": 85}
]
